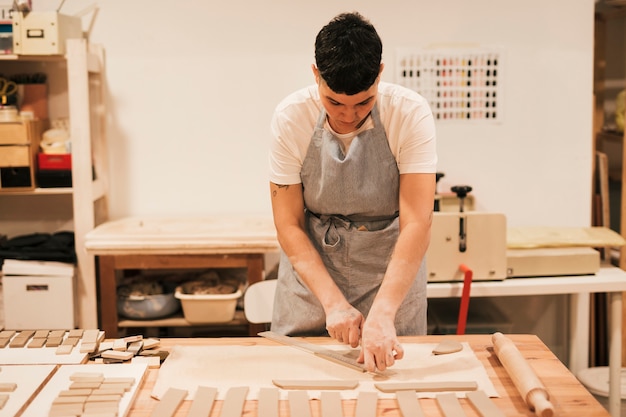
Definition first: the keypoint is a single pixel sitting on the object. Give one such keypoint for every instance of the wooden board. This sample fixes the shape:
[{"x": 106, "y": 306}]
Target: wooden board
[
  {"x": 553, "y": 237},
  {"x": 28, "y": 379},
  {"x": 61, "y": 381},
  {"x": 151, "y": 235}
]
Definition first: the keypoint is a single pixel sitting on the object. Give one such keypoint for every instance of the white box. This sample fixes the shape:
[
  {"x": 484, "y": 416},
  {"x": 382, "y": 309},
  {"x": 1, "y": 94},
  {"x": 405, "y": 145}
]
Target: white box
[
  {"x": 38, "y": 302},
  {"x": 208, "y": 308},
  {"x": 44, "y": 32}
]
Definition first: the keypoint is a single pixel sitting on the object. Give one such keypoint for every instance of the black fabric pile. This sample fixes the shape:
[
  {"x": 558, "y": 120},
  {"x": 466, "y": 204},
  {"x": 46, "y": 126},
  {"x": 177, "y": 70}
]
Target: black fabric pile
[{"x": 57, "y": 246}]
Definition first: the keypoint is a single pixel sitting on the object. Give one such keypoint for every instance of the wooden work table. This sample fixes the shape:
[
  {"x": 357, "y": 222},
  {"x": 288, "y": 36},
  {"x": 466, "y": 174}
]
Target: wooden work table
[
  {"x": 569, "y": 397},
  {"x": 175, "y": 243}
]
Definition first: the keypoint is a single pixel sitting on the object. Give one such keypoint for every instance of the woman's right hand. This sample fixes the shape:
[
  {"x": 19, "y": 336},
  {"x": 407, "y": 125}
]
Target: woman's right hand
[{"x": 344, "y": 324}]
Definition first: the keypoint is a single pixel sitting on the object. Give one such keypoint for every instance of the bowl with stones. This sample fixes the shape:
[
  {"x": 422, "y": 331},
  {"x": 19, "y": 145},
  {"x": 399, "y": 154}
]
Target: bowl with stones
[{"x": 146, "y": 300}]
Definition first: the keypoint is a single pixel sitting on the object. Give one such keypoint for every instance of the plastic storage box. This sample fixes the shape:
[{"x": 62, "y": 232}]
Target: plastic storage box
[{"x": 208, "y": 308}]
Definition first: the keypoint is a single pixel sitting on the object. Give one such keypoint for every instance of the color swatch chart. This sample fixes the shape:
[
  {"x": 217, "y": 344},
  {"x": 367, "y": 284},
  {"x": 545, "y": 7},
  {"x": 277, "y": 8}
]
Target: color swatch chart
[{"x": 458, "y": 84}]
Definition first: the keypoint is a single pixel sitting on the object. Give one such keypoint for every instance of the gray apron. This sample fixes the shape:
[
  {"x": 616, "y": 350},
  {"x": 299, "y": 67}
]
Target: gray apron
[{"x": 351, "y": 218}]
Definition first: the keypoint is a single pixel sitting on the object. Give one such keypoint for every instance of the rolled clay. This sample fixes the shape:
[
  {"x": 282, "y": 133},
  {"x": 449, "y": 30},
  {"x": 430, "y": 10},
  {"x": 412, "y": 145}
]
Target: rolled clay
[{"x": 526, "y": 381}]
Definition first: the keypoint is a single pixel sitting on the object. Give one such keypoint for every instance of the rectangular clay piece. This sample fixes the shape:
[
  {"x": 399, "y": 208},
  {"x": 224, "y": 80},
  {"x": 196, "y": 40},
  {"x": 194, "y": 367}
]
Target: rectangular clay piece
[
  {"x": 77, "y": 333},
  {"x": 7, "y": 386},
  {"x": 39, "y": 334},
  {"x": 299, "y": 404},
  {"x": 366, "y": 404},
  {"x": 83, "y": 385},
  {"x": 37, "y": 343},
  {"x": 331, "y": 404},
  {"x": 70, "y": 392},
  {"x": 450, "y": 405},
  {"x": 26, "y": 333},
  {"x": 234, "y": 401},
  {"x": 485, "y": 406},
  {"x": 71, "y": 341},
  {"x": 87, "y": 376},
  {"x": 91, "y": 335},
  {"x": 72, "y": 409},
  {"x": 64, "y": 349},
  {"x": 308, "y": 384},
  {"x": 268, "y": 402},
  {"x": 111, "y": 385},
  {"x": 203, "y": 402},
  {"x": 56, "y": 333},
  {"x": 88, "y": 347},
  {"x": 114, "y": 354},
  {"x": 169, "y": 403},
  {"x": 409, "y": 404},
  {"x": 54, "y": 341},
  {"x": 70, "y": 399},
  {"x": 428, "y": 386},
  {"x": 18, "y": 342}
]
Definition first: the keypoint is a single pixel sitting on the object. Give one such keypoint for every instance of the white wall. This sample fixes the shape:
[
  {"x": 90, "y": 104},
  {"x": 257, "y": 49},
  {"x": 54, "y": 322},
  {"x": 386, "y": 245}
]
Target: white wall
[{"x": 192, "y": 85}]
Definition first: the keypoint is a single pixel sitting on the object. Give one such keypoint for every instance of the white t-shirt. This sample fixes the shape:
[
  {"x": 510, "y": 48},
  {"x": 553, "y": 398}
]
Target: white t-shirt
[{"x": 405, "y": 115}]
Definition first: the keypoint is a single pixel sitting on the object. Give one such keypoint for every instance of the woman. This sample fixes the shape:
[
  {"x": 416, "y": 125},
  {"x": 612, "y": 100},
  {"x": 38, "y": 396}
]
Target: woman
[{"x": 352, "y": 182}]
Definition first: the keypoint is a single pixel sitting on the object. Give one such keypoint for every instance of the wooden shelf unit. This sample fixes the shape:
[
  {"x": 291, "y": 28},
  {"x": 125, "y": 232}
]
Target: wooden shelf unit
[{"x": 85, "y": 77}]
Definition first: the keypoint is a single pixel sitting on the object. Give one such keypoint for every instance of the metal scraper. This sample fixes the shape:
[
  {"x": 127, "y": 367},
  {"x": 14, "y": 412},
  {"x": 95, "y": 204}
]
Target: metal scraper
[{"x": 315, "y": 349}]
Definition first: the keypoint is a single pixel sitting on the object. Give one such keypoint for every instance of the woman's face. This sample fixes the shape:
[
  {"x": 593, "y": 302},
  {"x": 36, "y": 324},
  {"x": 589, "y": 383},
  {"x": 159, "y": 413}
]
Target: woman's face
[{"x": 346, "y": 113}]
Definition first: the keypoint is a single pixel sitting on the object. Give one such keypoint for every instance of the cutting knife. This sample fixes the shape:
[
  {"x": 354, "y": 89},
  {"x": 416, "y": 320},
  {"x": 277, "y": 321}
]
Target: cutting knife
[{"x": 317, "y": 350}]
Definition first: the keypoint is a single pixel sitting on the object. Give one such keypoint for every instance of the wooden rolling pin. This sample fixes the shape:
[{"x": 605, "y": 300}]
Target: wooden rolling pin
[{"x": 532, "y": 390}]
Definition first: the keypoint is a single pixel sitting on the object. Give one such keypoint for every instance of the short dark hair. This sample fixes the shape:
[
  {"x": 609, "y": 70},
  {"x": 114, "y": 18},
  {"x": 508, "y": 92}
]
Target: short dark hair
[{"x": 348, "y": 52}]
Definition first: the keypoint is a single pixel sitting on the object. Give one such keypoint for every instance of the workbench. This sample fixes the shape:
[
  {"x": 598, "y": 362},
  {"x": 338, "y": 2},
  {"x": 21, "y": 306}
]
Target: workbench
[
  {"x": 176, "y": 243},
  {"x": 231, "y": 242},
  {"x": 569, "y": 397}
]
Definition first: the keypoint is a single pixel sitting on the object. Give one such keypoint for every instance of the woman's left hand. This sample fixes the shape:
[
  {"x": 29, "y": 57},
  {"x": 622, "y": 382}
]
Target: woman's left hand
[{"x": 380, "y": 347}]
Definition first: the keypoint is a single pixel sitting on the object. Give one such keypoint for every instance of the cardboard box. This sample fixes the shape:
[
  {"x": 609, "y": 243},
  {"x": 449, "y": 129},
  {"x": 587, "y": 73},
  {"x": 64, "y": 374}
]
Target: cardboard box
[
  {"x": 22, "y": 133},
  {"x": 15, "y": 156},
  {"x": 44, "y": 32},
  {"x": 19, "y": 144},
  {"x": 38, "y": 302}
]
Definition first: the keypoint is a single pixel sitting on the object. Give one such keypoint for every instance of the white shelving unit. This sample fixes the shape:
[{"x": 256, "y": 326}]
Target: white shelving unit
[{"x": 80, "y": 95}]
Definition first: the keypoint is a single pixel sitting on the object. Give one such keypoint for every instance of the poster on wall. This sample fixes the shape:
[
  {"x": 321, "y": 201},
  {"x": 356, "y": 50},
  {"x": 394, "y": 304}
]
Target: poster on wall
[{"x": 461, "y": 84}]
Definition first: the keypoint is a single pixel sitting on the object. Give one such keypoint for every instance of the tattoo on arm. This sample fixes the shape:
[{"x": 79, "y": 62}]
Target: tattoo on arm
[{"x": 285, "y": 186}]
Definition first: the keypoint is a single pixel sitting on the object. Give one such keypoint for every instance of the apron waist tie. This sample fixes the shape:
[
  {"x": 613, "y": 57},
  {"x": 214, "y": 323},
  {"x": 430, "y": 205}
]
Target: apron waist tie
[{"x": 333, "y": 221}]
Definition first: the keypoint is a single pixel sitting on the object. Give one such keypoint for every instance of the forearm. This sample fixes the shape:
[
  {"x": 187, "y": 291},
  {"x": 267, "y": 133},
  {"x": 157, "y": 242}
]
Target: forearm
[
  {"x": 309, "y": 266},
  {"x": 402, "y": 269},
  {"x": 289, "y": 219}
]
